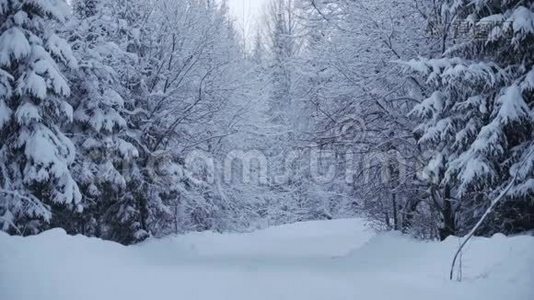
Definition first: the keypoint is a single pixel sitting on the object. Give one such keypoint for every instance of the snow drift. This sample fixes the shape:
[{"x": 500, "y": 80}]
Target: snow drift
[{"x": 313, "y": 260}]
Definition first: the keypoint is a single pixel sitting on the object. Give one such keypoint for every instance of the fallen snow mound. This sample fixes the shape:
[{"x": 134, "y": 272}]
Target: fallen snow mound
[{"x": 338, "y": 259}]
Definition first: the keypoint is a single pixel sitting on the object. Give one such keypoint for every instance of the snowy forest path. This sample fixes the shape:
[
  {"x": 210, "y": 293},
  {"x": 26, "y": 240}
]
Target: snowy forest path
[{"x": 339, "y": 259}]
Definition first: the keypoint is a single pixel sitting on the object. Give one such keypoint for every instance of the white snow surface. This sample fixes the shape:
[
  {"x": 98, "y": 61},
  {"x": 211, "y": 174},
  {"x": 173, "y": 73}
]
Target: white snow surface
[{"x": 331, "y": 260}]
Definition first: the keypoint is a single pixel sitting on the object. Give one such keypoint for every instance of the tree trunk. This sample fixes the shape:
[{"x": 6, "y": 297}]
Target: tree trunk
[
  {"x": 449, "y": 223},
  {"x": 395, "y": 212}
]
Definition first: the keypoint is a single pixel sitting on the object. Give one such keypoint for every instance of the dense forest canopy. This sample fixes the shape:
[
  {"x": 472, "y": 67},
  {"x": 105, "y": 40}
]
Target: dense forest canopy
[{"x": 125, "y": 119}]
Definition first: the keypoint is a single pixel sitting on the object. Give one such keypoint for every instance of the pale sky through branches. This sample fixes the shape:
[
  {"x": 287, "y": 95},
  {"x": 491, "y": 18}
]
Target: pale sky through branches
[{"x": 248, "y": 15}]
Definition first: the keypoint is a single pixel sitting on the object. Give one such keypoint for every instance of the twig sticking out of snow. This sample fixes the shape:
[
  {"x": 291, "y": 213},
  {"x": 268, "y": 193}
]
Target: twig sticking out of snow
[{"x": 472, "y": 232}]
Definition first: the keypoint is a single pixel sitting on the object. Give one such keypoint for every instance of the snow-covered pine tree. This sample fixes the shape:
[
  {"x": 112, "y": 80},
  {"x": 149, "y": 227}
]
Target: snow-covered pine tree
[
  {"x": 283, "y": 44},
  {"x": 99, "y": 125},
  {"x": 479, "y": 119},
  {"x": 35, "y": 156},
  {"x": 286, "y": 199},
  {"x": 125, "y": 219}
]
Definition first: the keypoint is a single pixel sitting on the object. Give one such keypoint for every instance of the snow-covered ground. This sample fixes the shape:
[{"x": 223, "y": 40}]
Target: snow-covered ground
[{"x": 314, "y": 260}]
